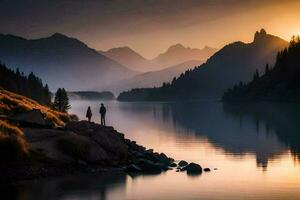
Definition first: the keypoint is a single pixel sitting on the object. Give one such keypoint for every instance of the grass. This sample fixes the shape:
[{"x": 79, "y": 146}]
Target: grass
[
  {"x": 11, "y": 103},
  {"x": 13, "y": 147}
]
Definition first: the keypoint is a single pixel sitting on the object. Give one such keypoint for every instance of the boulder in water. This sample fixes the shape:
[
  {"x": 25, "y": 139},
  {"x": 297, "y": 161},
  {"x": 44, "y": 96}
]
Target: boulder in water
[
  {"x": 193, "y": 168},
  {"x": 173, "y": 165},
  {"x": 183, "y": 163},
  {"x": 206, "y": 169}
]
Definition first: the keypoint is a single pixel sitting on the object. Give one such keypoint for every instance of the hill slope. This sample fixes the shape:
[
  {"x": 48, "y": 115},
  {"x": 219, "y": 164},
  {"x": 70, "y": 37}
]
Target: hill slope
[
  {"x": 29, "y": 86},
  {"x": 177, "y": 53},
  {"x": 282, "y": 83},
  {"x": 233, "y": 63},
  {"x": 154, "y": 78},
  {"x": 129, "y": 58},
  {"x": 61, "y": 61}
]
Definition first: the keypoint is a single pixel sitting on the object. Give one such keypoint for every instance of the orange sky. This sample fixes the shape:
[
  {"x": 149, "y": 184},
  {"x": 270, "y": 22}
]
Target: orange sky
[{"x": 151, "y": 26}]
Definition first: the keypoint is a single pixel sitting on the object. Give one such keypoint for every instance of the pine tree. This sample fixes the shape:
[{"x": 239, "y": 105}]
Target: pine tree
[
  {"x": 61, "y": 100},
  {"x": 57, "y": 100},
  {"x": 66, "y": 104},
  {"x": 256, "y": 75},
  {"x": 267, "y": 69}
]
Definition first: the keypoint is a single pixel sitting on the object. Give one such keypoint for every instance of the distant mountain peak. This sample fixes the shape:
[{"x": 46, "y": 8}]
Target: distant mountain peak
[
  {"x": 175, "y": 47},
  {"x": 208, "y": 48},
  {"x": 124, "y": 49},
  {"x": 260, "y": 35},
  {"x": 59, "y": 35}
]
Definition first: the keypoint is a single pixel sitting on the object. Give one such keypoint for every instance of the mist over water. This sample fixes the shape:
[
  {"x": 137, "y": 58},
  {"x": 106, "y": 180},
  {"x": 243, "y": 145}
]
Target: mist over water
[{"x": 255, "y": 152}]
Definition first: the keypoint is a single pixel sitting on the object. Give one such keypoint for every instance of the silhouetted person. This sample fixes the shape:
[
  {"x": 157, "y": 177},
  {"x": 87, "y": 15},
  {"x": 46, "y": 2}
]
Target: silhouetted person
[
  {"x": 102, "y": 113},
  {"x": 89, "y": 113}
]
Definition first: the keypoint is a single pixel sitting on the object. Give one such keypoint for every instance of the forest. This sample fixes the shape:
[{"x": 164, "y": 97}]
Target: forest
[{"x": 28, "y": 85}]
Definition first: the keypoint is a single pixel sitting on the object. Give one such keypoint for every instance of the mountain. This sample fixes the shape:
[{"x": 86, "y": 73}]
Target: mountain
[
  {"x": 233, "y": 63},
  {"x": 178, "y": 54},
  {"x": 154, "y": 78},
  {"x": 174, "y": 55},
  {"x": 278, "y": 83},
  {"x": 61, "y": 61},
  {"x": 129, "y": 58}
]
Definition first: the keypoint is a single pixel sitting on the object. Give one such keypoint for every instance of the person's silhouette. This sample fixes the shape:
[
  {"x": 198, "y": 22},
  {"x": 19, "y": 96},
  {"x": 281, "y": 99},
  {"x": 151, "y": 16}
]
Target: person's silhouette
[
  {"x": 102, "y": 113},
  {"x": 89, "y": 113}
]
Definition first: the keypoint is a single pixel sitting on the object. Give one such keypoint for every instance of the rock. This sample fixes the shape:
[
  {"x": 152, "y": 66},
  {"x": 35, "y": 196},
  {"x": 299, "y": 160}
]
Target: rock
[
  {"x": 193, "y": 168},
  {"x": 133, "y": 168},
  {"x": 173, "y": 165},
  {"x": 162, "y": 166},
  {"x": 206, "y": 169},
  {"x": 183, "y": 163},
  {"x": 105, "y": 137},
  {"x": 164, "y": 159},
  {"x": 150, "y": 151},
  {"x": 81, "y": 162},
  {"x": 32, "y": 118},
  {"x": 149, "y": 167}
]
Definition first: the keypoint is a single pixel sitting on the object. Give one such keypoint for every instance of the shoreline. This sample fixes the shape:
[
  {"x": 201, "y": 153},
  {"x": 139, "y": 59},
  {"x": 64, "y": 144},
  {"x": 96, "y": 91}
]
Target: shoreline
[
  {"x": 108, "y": 151},
  {"x": 83, "y": 147}
]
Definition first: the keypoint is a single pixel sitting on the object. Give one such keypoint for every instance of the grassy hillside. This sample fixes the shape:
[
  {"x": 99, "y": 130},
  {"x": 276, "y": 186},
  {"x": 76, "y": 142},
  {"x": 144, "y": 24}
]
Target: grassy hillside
[
  {"x": 11, "y": 136},
  {"x": 11, "y": 104},
  {"x": 12, "y": 141}
]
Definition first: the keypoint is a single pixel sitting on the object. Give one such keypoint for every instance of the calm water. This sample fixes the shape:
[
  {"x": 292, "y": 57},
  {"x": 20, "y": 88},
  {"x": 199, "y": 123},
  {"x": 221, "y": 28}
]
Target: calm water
[{"x": 256, "y": 151}]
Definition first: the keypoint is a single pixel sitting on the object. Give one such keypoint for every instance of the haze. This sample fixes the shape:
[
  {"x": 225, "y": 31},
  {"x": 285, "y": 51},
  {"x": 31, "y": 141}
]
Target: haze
[{"x": 150, "y": 27}]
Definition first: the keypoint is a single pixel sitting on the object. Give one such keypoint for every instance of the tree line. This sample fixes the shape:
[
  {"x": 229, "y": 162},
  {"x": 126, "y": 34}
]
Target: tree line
[{"x": 32, "y": 87}]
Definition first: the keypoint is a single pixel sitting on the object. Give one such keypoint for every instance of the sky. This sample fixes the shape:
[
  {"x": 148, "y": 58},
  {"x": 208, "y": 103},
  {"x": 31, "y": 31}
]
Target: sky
[{"x": 150, "y": 26}]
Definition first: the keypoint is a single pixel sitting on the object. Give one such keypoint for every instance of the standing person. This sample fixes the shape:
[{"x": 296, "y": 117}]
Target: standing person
[
  {"x": 102, "y": 113},
  {"x": 89, "y": 113}
]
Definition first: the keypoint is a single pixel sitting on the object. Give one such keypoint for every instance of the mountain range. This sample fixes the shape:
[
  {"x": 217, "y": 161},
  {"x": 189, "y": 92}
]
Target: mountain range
[
  {"x": 153, "y": 78},
  {"x": 233, "y": 63},
  {"x": 61, "y": 61},
  {"x": 174, "y": 55}
]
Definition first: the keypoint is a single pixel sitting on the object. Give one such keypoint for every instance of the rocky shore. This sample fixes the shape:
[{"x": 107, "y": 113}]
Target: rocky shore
[{"x": 83, "y": 147}]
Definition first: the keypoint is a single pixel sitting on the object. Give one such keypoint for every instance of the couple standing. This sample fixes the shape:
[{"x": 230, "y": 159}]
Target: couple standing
[{"x": 102, "y": 112}]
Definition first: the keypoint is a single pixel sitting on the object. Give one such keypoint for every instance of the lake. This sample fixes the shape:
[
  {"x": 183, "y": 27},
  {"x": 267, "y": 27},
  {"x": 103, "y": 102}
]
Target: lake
[{"x": 254, "y": 148}]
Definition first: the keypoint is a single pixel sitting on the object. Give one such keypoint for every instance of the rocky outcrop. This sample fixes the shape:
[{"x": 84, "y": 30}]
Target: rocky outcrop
[
  {"x": 90, "y": 147},
  {"x": 107, "y": 138},
  {"x": 87, "y": 143},
  {"x": 32, "y": 118},
  {"x": 146, "y": 161}
]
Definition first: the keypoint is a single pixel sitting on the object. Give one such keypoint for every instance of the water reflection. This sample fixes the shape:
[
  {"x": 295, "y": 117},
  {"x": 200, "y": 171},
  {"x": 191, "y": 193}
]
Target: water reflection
[
  {"x": 279, "y": 118},
  {"x": 265, "y": 129},
  {"x": 101, "y": 187}
]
